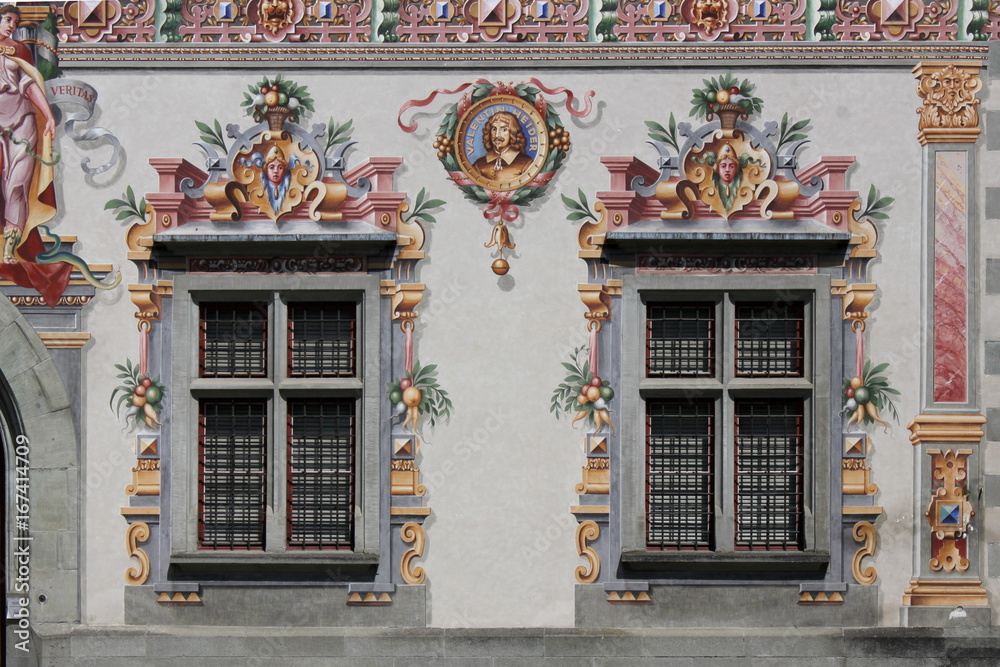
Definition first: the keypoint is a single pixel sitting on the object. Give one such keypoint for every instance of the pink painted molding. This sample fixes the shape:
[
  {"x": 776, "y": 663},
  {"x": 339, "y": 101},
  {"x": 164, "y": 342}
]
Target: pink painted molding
[
  {"x": 831, "y": 205},
  {"x": 174, "y": 208}
]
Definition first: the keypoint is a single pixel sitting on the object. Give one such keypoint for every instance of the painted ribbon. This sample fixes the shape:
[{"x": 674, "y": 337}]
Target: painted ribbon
[
  {"x": 499, "y": 89},
  {"x": 500, "y": 207},
  {"x": 587, "y": 99},
  {"x": 412, "y": 104},
  {"x": 71, "y": 93},
  {"x": 408, "y": 349},
  {"x": 593, "y": 351},
  {"x": 859, "y": 351},
  {"x": 144, "y": 350}
]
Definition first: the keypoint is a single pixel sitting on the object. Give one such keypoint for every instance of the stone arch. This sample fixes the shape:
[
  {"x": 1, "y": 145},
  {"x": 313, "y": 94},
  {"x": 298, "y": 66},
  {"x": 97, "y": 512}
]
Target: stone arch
[{"x": 36, "y": 406}]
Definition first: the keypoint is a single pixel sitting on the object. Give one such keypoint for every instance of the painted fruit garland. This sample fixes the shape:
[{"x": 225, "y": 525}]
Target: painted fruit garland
[{"x": 139, "y": 396}]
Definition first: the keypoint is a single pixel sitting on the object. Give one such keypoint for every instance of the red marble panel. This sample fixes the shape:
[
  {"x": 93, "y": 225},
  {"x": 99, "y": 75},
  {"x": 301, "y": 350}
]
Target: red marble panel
[{"x": 951, "y": 279}]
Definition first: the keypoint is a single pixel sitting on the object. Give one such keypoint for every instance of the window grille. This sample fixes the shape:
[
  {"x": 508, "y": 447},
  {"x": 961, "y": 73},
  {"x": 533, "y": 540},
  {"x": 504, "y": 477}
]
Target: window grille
[
  {"x": 233, "y": 340},
  {"x": 232, "y": 457},
  {"x": 321, "y": 435},
  {"x": 680, "y": 340},
  {"x": 769, "y": 339},
  {"x": 769, "y": 443},
  {"x": 322, "y": 339},
  {"x": 679, "y": 474}
]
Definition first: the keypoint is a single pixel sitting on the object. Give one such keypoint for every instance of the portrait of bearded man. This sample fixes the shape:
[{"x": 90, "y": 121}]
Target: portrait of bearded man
[{"x": 504, "y": 141}]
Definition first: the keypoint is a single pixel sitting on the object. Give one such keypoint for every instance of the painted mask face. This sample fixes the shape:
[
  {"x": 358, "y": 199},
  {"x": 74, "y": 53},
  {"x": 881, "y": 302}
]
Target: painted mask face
[
  {"x": 727, "y": 170},
  {"x": 275, "y": 170}
]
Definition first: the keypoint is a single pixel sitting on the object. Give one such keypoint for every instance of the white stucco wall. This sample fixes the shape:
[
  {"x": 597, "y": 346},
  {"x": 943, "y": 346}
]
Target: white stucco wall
[{"x": 500, "y": 475}]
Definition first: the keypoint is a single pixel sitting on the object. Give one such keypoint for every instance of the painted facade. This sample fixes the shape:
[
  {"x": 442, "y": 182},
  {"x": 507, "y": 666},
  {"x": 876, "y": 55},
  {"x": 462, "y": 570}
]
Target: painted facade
[{"x": 473, "y": 330}]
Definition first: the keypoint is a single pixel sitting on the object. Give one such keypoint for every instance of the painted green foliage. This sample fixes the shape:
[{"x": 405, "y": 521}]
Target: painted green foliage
[
  {"x": 139, "y": 398},
  {"x": 418, "y": 392},
  {"x": 727, "y": 89},
  {"x": 268, "y": 94},
  {"x": 582, "y": 393},
  {"x": 423, "y": 207},
  {"x": 579, "y": 208},
  {"x": 127, "y": 207},
  {"x": 875, "y": 206},
  {"x": 868, "y": 394}
]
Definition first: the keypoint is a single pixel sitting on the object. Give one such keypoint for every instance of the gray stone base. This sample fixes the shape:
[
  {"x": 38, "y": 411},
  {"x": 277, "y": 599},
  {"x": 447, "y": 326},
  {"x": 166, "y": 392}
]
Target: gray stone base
[
  {"x": 287, "y": 607},
  {"x": 945, "y": 617},
  {"x": 185, "y": 646},
  {"x": 724, "y": 606}
]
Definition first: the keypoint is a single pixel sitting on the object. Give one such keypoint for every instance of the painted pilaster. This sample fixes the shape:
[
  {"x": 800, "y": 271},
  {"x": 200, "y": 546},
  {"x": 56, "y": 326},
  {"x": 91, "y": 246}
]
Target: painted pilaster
[{"x": 946, "y": 586}]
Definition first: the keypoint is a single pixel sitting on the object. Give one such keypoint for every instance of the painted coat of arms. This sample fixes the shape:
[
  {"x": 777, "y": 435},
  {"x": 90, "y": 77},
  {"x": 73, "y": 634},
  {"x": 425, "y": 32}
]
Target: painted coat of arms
[{"x": 501, "y": 144}]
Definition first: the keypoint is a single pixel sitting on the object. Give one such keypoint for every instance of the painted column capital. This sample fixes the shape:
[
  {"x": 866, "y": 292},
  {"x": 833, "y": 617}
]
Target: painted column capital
[{"x": 949, "y": 113}]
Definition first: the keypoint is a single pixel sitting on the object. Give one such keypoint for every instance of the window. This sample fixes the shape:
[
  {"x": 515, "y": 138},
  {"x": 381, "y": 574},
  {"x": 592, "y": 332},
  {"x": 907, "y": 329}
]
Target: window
[
  {"x": 726, "y": 453},
  {"x": 282, "y": 392}
]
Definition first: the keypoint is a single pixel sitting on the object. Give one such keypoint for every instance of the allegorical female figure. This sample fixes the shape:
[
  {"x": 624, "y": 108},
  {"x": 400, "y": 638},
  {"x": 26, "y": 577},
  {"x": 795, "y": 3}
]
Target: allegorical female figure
[{"x": 26, "y": 187}]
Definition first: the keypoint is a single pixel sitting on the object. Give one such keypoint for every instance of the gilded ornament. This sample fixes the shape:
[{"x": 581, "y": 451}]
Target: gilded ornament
[
  {"x": 949, "y": 113},
  {"x": 135, "y": 533},
  {"x": 864, "y": 532},
  {"x": 587, "y": 531},
  {"x": 412, "y": 533}
]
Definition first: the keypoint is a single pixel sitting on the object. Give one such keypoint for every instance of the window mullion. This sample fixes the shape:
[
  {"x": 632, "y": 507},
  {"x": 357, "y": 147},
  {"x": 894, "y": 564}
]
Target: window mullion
[
  {"x": 278, "y": 433},
  {"x": 725, "y": 461}
]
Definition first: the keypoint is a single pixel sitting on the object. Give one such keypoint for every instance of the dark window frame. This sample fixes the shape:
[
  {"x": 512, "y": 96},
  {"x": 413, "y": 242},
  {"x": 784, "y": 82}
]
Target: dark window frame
[
  {"x": 820, "y": 444},
  {"x": 365, "y": 389}
]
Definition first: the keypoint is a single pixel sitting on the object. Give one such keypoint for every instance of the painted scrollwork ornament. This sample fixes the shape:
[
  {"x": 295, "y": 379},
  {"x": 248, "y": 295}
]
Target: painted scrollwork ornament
[
  {"x": 277, "y": 166},
  {"x": 502, "y": 145}
]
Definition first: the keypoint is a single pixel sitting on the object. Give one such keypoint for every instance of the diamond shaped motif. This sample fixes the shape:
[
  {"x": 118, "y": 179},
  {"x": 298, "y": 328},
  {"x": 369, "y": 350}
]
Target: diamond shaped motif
[
  {"x": 660, "y": 9},
  {"x": 895, "y": 11},
  {"x": 949, "y": 513},
  {"x": 403, "y": 447},
  {"x": 760, "y": 9},
  {"x": 92, "y": 13},
  {"x": 324, "y": 11},
  {"x": 854, "y": 446},
  {"x": 226, "y": 11},
  {"x": 543, "y": 10},
  {"x": 146, "y": 446},
  {"x": 442, "y": 11},
  {"x": 597, "y": 444},
  {"x": 493, "y": 12}
]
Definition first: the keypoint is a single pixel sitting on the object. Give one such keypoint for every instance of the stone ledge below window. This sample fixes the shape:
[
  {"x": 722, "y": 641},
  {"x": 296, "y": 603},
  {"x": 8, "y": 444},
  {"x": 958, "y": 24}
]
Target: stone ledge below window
[
  {"x": 736, "y": 565},
  {"x": 238, "y": 565}
]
